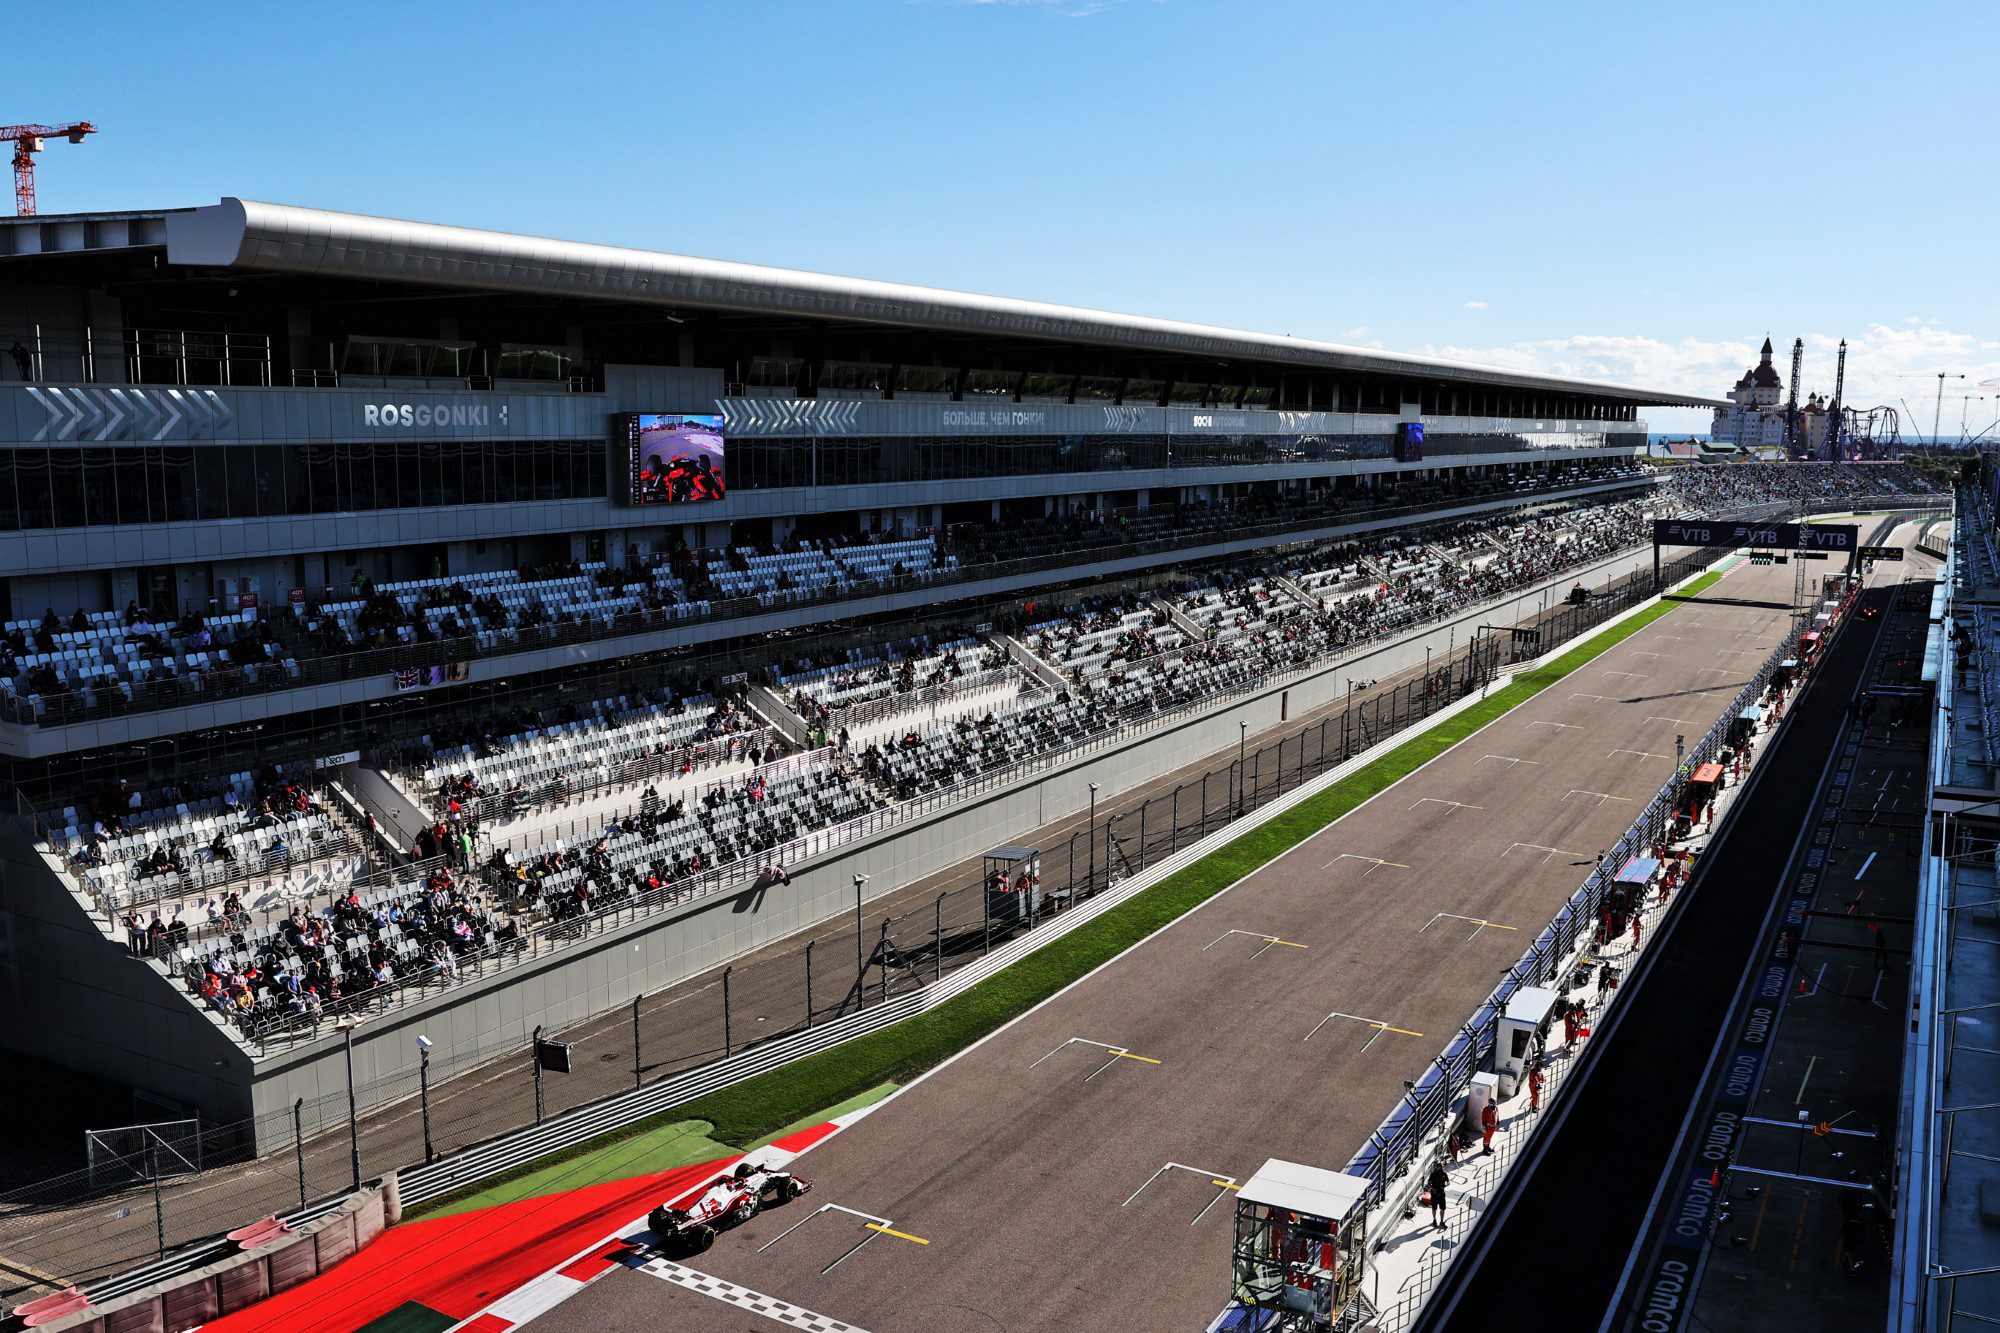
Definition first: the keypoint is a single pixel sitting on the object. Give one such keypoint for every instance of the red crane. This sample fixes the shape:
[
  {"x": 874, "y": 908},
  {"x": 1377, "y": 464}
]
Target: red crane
[{"x": 27, "y": 141}]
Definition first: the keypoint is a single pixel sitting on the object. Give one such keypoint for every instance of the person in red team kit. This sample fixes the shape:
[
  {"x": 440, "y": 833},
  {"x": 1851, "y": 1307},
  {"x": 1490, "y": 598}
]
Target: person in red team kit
[{"x": 1489, "y": 1120}]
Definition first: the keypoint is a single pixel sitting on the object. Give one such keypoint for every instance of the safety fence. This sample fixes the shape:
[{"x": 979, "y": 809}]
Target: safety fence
[
  {"x": 707, "y": 1034},
  {"x": 1394, "y": 1147}
]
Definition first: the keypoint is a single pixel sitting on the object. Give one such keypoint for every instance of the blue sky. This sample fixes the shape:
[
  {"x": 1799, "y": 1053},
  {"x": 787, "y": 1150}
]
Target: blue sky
[{"x": 1637, "y": 190}]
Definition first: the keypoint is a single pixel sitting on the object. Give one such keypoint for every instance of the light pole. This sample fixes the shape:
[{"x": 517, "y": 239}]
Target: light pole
[
  {"x": 1938, "y": 411},
  {"x": 424, "y": 1094},
  {"x": 1093, "y": 843},
  {"x": 1242, "y": 743},
  {"x": 347, "y": 1026},
  {"x": 860, "y": 958}
]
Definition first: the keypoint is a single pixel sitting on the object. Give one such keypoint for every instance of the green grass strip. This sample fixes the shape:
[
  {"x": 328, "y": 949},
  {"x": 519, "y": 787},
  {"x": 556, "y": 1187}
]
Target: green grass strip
[
  {"x": 899, "y": 1053},
  {"x": 807, "y": 1091},
  {"x": 646, "y": 1149}
]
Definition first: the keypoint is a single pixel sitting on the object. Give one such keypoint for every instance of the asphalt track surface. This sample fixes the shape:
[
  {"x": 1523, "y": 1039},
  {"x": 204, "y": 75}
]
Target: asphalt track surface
[
  {"x": 1588, "y": 1187},
  {"x": 1016, "y": 1160}
]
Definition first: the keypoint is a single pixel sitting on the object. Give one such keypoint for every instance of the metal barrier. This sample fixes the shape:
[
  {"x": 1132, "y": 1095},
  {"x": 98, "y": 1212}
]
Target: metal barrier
[{"x": 1394, "y": 1144}]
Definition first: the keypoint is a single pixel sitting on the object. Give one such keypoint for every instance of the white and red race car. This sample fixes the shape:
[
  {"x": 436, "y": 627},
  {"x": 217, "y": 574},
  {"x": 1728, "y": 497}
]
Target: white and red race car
[{"x": 732, "y": 1198}]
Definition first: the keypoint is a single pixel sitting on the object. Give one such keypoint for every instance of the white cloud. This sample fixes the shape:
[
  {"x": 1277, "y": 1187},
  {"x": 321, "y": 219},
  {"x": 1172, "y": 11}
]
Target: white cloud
[
  {"x": 1358, "y": 331},
  {"x": 1887, "y": 364},
  {"x": 1475, "y": 305}
]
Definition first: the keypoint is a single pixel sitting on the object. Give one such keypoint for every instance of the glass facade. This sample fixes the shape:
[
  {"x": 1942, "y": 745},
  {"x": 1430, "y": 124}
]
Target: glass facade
[
  {"x": 764, "y": 464},
  {"x": 67, "y": 486}
]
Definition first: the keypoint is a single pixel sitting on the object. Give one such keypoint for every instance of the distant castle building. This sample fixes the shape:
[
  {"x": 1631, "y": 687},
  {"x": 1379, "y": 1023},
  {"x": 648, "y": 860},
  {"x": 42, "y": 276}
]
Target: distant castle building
[
  {"x": 1756, "y": 411},
  {"x": 1756, "y": 414}
]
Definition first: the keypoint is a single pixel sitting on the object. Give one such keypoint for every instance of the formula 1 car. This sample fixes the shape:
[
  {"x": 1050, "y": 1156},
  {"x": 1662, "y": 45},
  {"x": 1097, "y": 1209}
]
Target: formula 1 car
[{"x": 732, "y": 1198}]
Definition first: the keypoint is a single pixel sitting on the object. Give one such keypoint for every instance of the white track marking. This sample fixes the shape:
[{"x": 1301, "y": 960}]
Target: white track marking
[
  {"x": 1810, "y": 1180},
  {"x": 1223, "y": 1183},
  {"x": 1631, "y": 675},
  {"x": 1559, "y": 726},
  {"x": 1599, "y": 697},
  {"x": 1677, "y": 721},
  {"x": 1602, "y": 796},
  {"x": 1117, "y": 1053},
  {"x": 1439, "y": 800},
  {"x": 1374, "y": 862},
  {"x": 1547, "y": 852},
  {"x": 1270, "y": 941},
  {"x": 873, "y": 1225},
  {"x": 1478, "y": 923},
  {"x": 1506, "y": 759},
  {"x": 1637, "y": 754},
  {"x": 1375, "y": 1023}
]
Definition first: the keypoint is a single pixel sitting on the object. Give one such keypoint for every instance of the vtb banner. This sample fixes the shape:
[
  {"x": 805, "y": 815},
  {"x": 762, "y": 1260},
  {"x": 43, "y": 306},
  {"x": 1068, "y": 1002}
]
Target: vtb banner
[{"x": 1765, "y": 536}]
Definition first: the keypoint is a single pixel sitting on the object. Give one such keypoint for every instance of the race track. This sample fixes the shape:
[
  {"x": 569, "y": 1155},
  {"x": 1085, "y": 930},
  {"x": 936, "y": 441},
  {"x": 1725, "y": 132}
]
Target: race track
[{"x": 993, "y": 1193}]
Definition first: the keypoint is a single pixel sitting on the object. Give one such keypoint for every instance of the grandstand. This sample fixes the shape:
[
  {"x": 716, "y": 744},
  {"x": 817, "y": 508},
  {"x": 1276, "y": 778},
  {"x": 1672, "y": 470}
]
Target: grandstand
[{"x": 358, "y": 663}]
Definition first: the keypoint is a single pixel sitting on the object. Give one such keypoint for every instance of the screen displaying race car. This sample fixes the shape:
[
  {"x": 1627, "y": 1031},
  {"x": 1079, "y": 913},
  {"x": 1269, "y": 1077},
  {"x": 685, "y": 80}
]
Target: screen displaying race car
[{"x": 676, "y": 458}]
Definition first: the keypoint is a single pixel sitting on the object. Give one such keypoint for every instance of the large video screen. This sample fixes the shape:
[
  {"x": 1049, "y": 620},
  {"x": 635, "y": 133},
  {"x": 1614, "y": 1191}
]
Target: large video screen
[
  {"x": 676, "y": 458},
  {"x": 1409, "y": 442}
]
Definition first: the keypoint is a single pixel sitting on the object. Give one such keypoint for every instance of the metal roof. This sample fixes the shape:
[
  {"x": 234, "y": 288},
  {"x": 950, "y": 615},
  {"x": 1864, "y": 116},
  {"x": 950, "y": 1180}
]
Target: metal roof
[
  {"x": 1310, "y": 1190},
  {"x": 246, "y": 234}
]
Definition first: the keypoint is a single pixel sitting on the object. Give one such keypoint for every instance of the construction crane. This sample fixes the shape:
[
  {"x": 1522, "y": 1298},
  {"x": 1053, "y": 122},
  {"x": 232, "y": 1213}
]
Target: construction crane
[
  {"x": 27, "y": 141},
  {"x": 1792, "y": 403},
  {"x": 1937, "y": 411}
]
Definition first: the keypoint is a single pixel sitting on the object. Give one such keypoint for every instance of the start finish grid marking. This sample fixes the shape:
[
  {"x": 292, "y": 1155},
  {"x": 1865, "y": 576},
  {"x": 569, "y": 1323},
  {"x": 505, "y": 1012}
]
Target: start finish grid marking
[
  {"x": 703, "y": 1284},
  {"x": 1270, "y": 942},
  {"x": 1374, "y": 863},
  {"x": 1117, "y": 1053}
]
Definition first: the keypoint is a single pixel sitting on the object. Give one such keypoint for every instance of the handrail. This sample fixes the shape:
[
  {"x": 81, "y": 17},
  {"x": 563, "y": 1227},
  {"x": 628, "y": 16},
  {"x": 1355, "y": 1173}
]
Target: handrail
[
  {"x": 66, "y": 706},
  {"x": 1394, "y": 1145}
]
